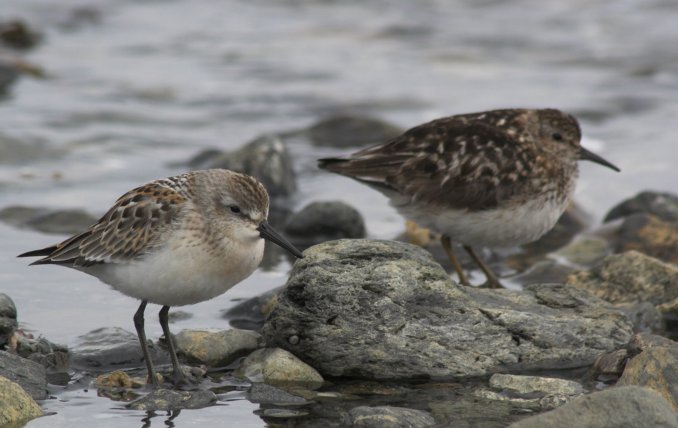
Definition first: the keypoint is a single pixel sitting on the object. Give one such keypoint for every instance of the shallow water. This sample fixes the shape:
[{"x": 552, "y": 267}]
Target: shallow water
[{"x": 133, "y": 87}]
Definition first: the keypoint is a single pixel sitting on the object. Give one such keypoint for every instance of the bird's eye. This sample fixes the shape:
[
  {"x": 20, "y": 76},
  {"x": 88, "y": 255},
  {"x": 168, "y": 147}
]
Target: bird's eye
[
  {"x": 556, "y": 136},
  {"x": 235, "y": 209}
]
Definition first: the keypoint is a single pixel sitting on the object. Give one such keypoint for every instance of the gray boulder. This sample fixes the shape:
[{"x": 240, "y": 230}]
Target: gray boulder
[
  {"x": 662, "y": 205},
  {"x": 386, "y": 310},
  {"x": 61, "y": 221},
  {"x": 621, "y": 407},
  {"x": 324, "y": 221},
  {"x": 111, "y": 348},
  {"x": 350, "y": 131},
  {"x": 29, "y": 375}
]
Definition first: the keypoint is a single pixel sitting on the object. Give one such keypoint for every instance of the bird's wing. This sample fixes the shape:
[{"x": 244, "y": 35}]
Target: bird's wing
[
  {"x": 133, "y": 226},
  {"x": 465, "y": 164}
]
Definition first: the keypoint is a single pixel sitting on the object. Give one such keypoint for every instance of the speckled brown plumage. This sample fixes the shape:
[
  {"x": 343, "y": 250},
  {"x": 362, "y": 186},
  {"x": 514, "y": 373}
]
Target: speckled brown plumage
[{"x": 466, "y": 175}]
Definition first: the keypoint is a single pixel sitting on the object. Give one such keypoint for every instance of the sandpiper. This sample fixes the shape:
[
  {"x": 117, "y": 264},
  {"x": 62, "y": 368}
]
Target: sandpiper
[
  {"x": 174, "y": 241},
  {"x": 490, "y": 179}
]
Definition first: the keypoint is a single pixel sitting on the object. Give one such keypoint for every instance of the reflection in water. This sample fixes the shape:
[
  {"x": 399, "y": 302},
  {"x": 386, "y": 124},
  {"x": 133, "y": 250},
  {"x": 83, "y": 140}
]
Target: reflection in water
[{"x": 169, "y": 422}]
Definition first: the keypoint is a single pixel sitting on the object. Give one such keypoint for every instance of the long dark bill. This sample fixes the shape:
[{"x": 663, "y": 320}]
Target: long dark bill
[
  {"x": 590, "y": 156},
  {"x": 267, "y": 232}
]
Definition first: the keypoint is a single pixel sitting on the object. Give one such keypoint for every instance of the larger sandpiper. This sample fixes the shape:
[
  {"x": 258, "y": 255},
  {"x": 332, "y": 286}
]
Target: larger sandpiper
[
  {"x": 174, "y": 241},
  {"x": 490, "y": 179}
]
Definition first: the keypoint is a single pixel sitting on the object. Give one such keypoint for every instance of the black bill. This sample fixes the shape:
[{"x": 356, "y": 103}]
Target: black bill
[
  {"x": 590, "y": 156},
  {"x": 267, "y": 232}
]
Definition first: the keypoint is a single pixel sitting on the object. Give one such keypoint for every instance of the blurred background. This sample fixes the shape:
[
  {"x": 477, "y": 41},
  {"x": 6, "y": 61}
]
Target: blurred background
[{"x": 98, "y": 97}]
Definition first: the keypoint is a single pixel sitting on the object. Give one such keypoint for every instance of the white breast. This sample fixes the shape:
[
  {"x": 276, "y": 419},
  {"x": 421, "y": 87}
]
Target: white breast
[
  {"x": 508, "y": 227},
  {"x": 179, "y": 275}
]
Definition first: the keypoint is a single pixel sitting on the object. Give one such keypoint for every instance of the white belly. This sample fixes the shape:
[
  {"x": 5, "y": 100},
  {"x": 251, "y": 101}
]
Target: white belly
[
  {"x": 491, "y": 228},
  {"x": 177, "y": 275}
]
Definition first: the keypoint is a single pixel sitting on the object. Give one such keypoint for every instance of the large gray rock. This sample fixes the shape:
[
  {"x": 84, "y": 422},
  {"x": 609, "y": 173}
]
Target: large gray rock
[
  {"x": 386, "y": 310},
  {"x": 621, "y": 407},
  {"x": 215, "y": 348},
  {"x": 29, "y": 375}
]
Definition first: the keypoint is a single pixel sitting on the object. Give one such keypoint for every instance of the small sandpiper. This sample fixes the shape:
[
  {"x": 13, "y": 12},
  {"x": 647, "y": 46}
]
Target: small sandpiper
[
  {"x": 174, "y": 241},
  {"x": 498, "y": 178}
]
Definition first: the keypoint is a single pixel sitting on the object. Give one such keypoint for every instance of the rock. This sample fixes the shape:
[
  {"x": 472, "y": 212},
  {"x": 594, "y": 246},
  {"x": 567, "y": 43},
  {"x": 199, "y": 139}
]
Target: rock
[
  {"x": 656, "y": 367},
  {"x": 385, "y": 310},
  {"x": 621, "y": 407},
  {"x": 265, "y": 158},
  {"x": 8, "y": 323},
  {"x": 250, "y": 314},
  {"x": 662, "y": 205},
  {"x": 216, "y": 349},
  {"x": 649, "y": 235},
  {"x": 279, "y": 368},
  {"x": 8, "y": 75},
  {"x": 350, "y": 131},
  {"x": 645, "y": 317},
  {"x": 610, "y": 363},
  {"x": 629, "y": 278},
  {"x": 17, "y": 406},
  {"x": 324, "y": 221},
  {"x": 584, "y": 251},
  {"x": 111, "y": 348},
  {"x": 54, "y": 358},
  {"x": 28, "y": 374},
  {"x": 262, "y": 393},
  {"x": 389, "y": 417},
  {"x": 531, "y": 385},
  {"x": 66, "y": 222},
  {"x": 16, "y": 34},
  {"x": 118, "y": 379},
  {"x": 167, "y": 399}
]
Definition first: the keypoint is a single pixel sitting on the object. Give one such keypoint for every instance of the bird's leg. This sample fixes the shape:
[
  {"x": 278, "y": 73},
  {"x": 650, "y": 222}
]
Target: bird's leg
[
  {"x": 139, "y": 325},
  {"x": 492, "y": 280},
  {"x": 178, "y": 374},
  {"x": 447, "y": 246}
]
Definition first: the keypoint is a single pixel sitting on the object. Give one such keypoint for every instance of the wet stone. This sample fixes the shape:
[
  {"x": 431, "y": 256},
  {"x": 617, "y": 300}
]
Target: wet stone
[
  {"x": 350, "y": 131},
  {"x": 645, "y": 317},
  {"x": 251, "y": 313},
  {"x": 389, "y": 417},
  {"x": 278, "y": 367},
  {"x": 118, "y": 379},
  {"x": 660, "y": 204},
  {"x": 29, "y": 375},
  {"x": 649, "y": 235},
  {"x": 17, "y": 35},
  {"x": 324, "y": 221},
  {"x": 8, "y": 322},
  {"x": 656, "y": 367},
  {"x": 167, "y": 399},
  {"x": 628, "y": 278},
  {"x": 54, "y": 358},
  {"x": 267, "y": 394},
  {"x": 111, "y": 348},
  {"x": 619, "y": 407},
  {"x": 381, "y": 310},
  {"x": 531, "y": 385},
  {"x": 17, "y": 406},
  {"x": 47, "y": 220},
  {"x": 215, "y": 349}
]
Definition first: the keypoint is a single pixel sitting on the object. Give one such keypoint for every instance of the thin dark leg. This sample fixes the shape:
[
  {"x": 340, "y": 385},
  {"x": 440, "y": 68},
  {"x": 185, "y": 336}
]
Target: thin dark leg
[
  {"x": 492, "y": 280},
  {"x": 139, "y": 325},
  {"x": 447, "y": 246},
  {"x": 176, "y": 368}
]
